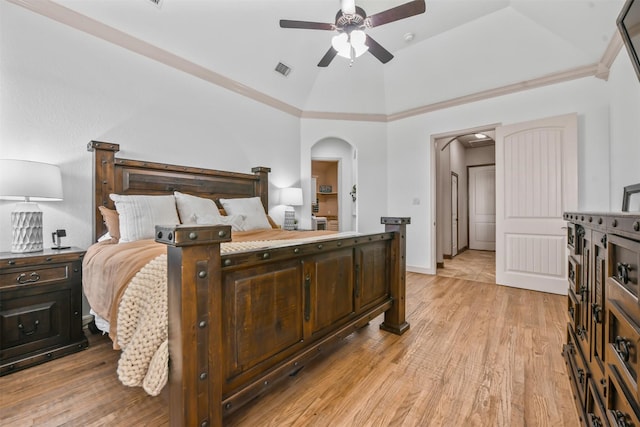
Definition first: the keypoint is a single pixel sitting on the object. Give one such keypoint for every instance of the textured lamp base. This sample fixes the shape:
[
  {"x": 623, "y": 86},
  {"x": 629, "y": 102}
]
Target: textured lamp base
[
  {"x": 26, "y": 221},
  {"x": 289, "y": 220}
]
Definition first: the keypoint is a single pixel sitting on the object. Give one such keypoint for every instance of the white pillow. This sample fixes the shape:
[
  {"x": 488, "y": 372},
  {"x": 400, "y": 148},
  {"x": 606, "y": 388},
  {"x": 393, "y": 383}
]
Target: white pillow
[
  {"x": 237, "y": 222},
  {"x": 140, "y": 214},
  {"x": 192, "y": 208},
  {"x": 251, "y": 208}
]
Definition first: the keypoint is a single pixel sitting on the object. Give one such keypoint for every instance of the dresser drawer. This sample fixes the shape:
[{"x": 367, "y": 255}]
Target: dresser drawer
[
  {"x": 574, "y": 276},
  {"x": 35, "y": 322},
  {"x": 38, "y": 275},
  {"x": 574, "y": 307},
  {"x": 577, "y": 367},
  {"x": 595, "y": 410},
  {"x": 620, "y": 409},
  {"x": 575, "y": 233},
  {"x": 624, "y": 260},
  {"x": 623, "y": 340}
]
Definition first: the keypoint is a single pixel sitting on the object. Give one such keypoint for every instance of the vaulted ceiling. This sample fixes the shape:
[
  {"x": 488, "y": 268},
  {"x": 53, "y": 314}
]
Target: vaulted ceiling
[{"x": 461, "y": 49}]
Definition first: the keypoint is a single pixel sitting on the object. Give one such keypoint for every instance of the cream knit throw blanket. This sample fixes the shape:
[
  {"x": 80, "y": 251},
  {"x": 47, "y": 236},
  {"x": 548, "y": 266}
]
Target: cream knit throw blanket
[{"x": 142, "y": 329}]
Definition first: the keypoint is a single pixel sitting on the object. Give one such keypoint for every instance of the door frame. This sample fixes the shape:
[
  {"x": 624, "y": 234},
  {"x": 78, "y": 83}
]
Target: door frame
[
  {"x": 457, "y": 233},
  {"x": 433, "y": 152}
]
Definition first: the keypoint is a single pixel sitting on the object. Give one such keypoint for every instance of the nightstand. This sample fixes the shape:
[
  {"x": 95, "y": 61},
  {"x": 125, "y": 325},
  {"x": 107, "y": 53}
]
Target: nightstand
[{"x": 40, "y": 307}]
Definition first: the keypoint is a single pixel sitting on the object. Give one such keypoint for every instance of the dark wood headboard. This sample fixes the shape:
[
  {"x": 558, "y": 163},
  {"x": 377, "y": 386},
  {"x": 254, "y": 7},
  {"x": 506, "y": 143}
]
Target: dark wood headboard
[{"x": 124, "y": 176}]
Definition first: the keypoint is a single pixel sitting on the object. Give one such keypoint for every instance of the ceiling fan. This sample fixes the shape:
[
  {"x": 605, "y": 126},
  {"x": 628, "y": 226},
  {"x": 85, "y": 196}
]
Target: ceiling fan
[{"x": 351, "y": 21}]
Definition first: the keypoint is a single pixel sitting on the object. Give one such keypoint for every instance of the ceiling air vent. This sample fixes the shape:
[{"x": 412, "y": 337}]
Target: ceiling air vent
[{"x": 283, "y": 69}]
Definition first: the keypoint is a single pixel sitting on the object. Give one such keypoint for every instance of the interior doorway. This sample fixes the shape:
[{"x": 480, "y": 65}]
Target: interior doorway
[
  {"x": 454, "y": 155},
  {"x": 334, "y": 174}
]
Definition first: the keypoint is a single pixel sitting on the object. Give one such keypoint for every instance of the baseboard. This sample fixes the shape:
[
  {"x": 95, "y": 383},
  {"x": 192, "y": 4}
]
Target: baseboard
[
  {"x": 420, "y": 270},
  {"x": 447, "y": 256},
  {"x": 462, "y": 250}
]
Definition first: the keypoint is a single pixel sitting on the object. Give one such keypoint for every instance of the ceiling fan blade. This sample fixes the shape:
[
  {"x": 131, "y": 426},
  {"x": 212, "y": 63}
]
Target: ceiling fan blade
[
  {"x": 306, "y": 25},
  {"x": 378, "y": 51},
  {"x": 328, "y": 57},
  {"x": 406, "y": 10}
]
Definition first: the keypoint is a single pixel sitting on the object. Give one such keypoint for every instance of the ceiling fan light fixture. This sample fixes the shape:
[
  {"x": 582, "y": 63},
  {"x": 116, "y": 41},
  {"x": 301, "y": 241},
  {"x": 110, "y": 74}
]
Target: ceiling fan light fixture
[
  {"x": 343, "y": 43},
  {"x": 358, "y": 39},
  {"x": 340, "y": 43}
]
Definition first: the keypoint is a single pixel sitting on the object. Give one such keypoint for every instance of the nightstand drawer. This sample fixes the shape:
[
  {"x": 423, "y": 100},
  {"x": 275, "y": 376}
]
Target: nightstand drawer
[
  {"x": 34, "y": 322},
  {"x": 41, "y": 274}
]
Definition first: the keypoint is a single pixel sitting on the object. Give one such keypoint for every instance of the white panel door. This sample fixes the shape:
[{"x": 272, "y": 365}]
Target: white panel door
[
  {"x": 482, "y": 208},
  {"x": 536, "y": 181}
]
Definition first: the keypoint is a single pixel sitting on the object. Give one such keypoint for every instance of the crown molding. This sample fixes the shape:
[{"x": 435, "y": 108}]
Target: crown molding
[
  {"x": 609, "y": 55},
  {"x": 105, "y": 32},
  {"x": 358, "y": 117}
]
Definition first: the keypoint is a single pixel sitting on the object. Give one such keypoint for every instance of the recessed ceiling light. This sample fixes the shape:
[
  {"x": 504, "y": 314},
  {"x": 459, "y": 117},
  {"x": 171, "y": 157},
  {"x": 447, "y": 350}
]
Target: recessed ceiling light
[
  {"x": 408, "y": 37},
  {"x": 480, "y": 135}
]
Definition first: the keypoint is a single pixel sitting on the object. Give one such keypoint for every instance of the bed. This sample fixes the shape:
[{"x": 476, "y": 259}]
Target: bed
[{"x": 241, "y": 318}]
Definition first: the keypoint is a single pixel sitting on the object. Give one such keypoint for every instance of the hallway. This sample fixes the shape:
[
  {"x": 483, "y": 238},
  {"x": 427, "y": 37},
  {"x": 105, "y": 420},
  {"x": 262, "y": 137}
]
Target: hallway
[{"x": 479, "y": 266}]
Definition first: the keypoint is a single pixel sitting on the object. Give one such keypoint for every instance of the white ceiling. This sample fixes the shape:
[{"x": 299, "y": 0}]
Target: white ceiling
[{"x": 461, "y": 47}]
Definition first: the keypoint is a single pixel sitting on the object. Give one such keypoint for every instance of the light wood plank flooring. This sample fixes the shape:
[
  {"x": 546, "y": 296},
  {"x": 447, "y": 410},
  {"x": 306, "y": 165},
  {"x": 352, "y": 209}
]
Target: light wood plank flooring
[
  {"x": 476, "y": 355},
  {"x": 478, "y": 266}
]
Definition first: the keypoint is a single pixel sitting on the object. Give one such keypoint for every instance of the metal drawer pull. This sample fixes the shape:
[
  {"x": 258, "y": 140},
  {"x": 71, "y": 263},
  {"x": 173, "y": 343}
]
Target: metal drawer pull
[
  {"x": 594, "y": 420},
  {"x": 622, "y": 346},
  {"x": 623, "y": 272},
  {"x": 22, "y": 278},
  {"x": 31, "y": 332},
  {"x": 621, "y": 419},
  {"x": 596, "y": 312}
]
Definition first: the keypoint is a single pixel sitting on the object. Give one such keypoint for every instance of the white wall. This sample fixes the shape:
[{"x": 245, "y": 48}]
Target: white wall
[
  {"x": 61, "y": 88},
  {"x": 624, "y": 92}
]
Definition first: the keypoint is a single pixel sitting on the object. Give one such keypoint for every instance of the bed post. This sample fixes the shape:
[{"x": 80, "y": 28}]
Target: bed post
[
  {"x": 395, "y": 317},
  {"x": 262, "y": 186},
  {"x": 194, "y": 275},
  {"x": 104, "y": 154}
]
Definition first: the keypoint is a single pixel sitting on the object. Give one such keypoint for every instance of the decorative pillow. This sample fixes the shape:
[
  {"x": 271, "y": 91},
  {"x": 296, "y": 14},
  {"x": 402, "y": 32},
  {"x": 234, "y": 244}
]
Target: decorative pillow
[
  {"x": 111, "y": 220},
  {"x": 237, "y": 222},
  {"x": 191, "y": 208},
  {"x": 251, "y": 208},
  {"x": 140, "y": 214}
]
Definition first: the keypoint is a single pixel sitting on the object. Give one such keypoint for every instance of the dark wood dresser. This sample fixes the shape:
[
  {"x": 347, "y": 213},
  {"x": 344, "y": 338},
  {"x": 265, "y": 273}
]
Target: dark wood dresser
[
  {"x": 40, "y": 307},
  {"x": 603, "y": 333}
]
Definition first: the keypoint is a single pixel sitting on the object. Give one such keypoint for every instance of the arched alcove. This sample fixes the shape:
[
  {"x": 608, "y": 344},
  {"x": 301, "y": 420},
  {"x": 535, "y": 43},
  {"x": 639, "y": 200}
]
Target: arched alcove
[{"x": 343, "y": 156}]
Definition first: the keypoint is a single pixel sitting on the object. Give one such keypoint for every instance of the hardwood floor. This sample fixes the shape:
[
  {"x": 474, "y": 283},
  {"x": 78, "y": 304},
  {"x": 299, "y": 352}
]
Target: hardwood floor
[
  {"x": 477, "y": 354},
  {"x": 478, "y": 266}
]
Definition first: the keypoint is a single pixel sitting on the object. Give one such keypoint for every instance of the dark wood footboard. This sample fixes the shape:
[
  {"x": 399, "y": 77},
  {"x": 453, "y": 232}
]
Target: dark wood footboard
[{"x": 240, "y": 322}]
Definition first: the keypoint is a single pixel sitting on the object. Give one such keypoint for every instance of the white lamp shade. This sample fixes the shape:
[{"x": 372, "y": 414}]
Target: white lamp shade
[
  {"x": 26, "y": 180},
  {"x": 291, "y": 196}
]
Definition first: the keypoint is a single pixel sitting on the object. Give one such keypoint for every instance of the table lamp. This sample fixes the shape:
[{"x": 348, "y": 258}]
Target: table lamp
[
  {"x": 28, "y": 182},
  {"x": 290, "y": 197}
]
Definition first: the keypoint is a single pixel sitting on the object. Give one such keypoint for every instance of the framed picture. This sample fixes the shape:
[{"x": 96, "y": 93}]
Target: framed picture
[
  {"x": 326, "y": 189},
  {"x": 631, "y": 198}
]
